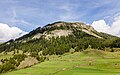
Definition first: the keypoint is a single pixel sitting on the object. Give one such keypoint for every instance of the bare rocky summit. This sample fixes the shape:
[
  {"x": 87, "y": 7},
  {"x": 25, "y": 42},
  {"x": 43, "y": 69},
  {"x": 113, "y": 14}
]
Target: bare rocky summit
[
  {"x": 61, "y": 28},
  {"x": 65, "y": 32}
]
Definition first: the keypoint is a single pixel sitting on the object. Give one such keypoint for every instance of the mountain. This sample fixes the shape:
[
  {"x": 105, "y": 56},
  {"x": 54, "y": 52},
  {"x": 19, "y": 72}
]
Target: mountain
[
  {"x": 60, "y": 36},
  {"x": 63, "y": 29},
  {"x": 53, "y": 39}
]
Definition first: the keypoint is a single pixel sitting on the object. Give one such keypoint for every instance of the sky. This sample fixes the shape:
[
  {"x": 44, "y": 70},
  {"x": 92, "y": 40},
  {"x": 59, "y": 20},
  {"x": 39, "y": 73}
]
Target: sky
[{"x": 18, "y": 17}]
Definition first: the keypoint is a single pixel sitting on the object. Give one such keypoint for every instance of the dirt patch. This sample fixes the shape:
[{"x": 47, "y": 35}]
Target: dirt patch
[{"x": 27, "y": 62}]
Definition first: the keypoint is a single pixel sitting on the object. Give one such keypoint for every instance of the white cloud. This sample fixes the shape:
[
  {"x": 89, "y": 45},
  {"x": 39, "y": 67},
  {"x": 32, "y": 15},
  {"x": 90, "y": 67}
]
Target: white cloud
[
  {"x": 113, "y": 29},
  {"x": 100, "y": 26},
  {"x": 7, "y": 33}
]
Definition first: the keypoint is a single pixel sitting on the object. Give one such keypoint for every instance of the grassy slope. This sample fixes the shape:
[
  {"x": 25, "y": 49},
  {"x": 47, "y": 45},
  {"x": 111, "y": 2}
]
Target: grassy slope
[{"x": 80, "y": 63}]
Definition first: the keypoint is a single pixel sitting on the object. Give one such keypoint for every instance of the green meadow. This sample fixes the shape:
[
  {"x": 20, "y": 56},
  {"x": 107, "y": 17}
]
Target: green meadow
[{"x": 88, "y": 62}]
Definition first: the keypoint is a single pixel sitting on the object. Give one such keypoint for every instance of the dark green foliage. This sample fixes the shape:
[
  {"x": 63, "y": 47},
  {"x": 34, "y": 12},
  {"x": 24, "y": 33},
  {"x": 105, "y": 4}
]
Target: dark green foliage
[
  {"x": 34, "y": 54},
  {"x": 79, "y": 41},
  {"x": 0, "y": 68},
  {"x": 7, "y": 67},
  {"x": 116, "y": 43},
  {"x": 19, "y": 57},
  {"x": 4, "y": 60},
  {"x": 12, "y": 61},
  {"x": 10, "y": 64},
  {"x": 40, "y": 58},
  {"x": 80, "y": 34},
  {"x": 8, "y": 46}
]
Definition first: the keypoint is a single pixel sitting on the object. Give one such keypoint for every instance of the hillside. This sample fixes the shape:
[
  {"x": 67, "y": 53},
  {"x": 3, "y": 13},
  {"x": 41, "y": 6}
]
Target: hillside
[{"x": 54, "y": 39}]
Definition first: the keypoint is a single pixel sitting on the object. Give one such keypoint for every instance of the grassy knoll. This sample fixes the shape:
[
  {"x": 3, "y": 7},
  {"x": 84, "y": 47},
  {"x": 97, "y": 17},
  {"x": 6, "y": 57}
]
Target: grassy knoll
[{"x": 89, "y": 62}]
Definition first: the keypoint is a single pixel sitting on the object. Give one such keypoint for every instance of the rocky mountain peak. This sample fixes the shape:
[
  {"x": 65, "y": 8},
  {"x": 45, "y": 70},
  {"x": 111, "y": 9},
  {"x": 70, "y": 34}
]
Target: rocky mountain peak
[
  {"x": 60, "y": 28},
  {"x": 71, "y": 24}
]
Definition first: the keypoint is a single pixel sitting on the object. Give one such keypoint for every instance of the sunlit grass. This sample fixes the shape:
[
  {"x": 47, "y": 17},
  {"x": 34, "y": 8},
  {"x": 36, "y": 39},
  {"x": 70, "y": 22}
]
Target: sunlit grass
[{"x": 90, "y": 62}]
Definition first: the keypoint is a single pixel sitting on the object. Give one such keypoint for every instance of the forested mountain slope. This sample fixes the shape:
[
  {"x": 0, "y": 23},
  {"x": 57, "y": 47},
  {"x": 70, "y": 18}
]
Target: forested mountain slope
[{"x": 60, "y": 37}]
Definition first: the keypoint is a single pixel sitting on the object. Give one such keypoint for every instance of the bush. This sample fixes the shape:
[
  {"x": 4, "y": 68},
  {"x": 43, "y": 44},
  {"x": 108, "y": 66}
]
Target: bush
[
  {"x": 4, "y": 60},
  {"x": 7, "y": 67},
  {"x": 34, "y": 54},
  {"x": 41, "y": 58},
  {"x": 10, "y": 64},
  {"x": 19, "y": 57}
]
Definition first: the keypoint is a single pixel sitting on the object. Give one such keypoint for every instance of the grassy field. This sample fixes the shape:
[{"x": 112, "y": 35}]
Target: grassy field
[{"x": 89, "y": 62}]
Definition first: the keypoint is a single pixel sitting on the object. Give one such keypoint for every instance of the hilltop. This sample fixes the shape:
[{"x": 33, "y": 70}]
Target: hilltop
[{"x": 62, "y": 28}]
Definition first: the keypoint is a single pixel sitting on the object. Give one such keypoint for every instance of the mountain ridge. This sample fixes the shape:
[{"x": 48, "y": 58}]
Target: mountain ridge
[{"x": 60, "y": 25}]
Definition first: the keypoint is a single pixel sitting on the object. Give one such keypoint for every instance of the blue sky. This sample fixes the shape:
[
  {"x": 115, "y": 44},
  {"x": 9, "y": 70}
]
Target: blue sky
[{"x": 30, "y": 14}]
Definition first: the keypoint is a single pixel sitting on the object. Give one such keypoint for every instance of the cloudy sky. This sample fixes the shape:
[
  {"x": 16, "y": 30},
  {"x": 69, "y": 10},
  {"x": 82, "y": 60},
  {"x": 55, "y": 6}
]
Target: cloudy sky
[{"x": 18, "y": 17}]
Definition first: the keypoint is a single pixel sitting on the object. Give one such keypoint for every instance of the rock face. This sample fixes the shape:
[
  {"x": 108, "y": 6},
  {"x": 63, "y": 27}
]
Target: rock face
[
  {"x": 65, "y": 32},
  {"x": 58, "y": 33}
]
